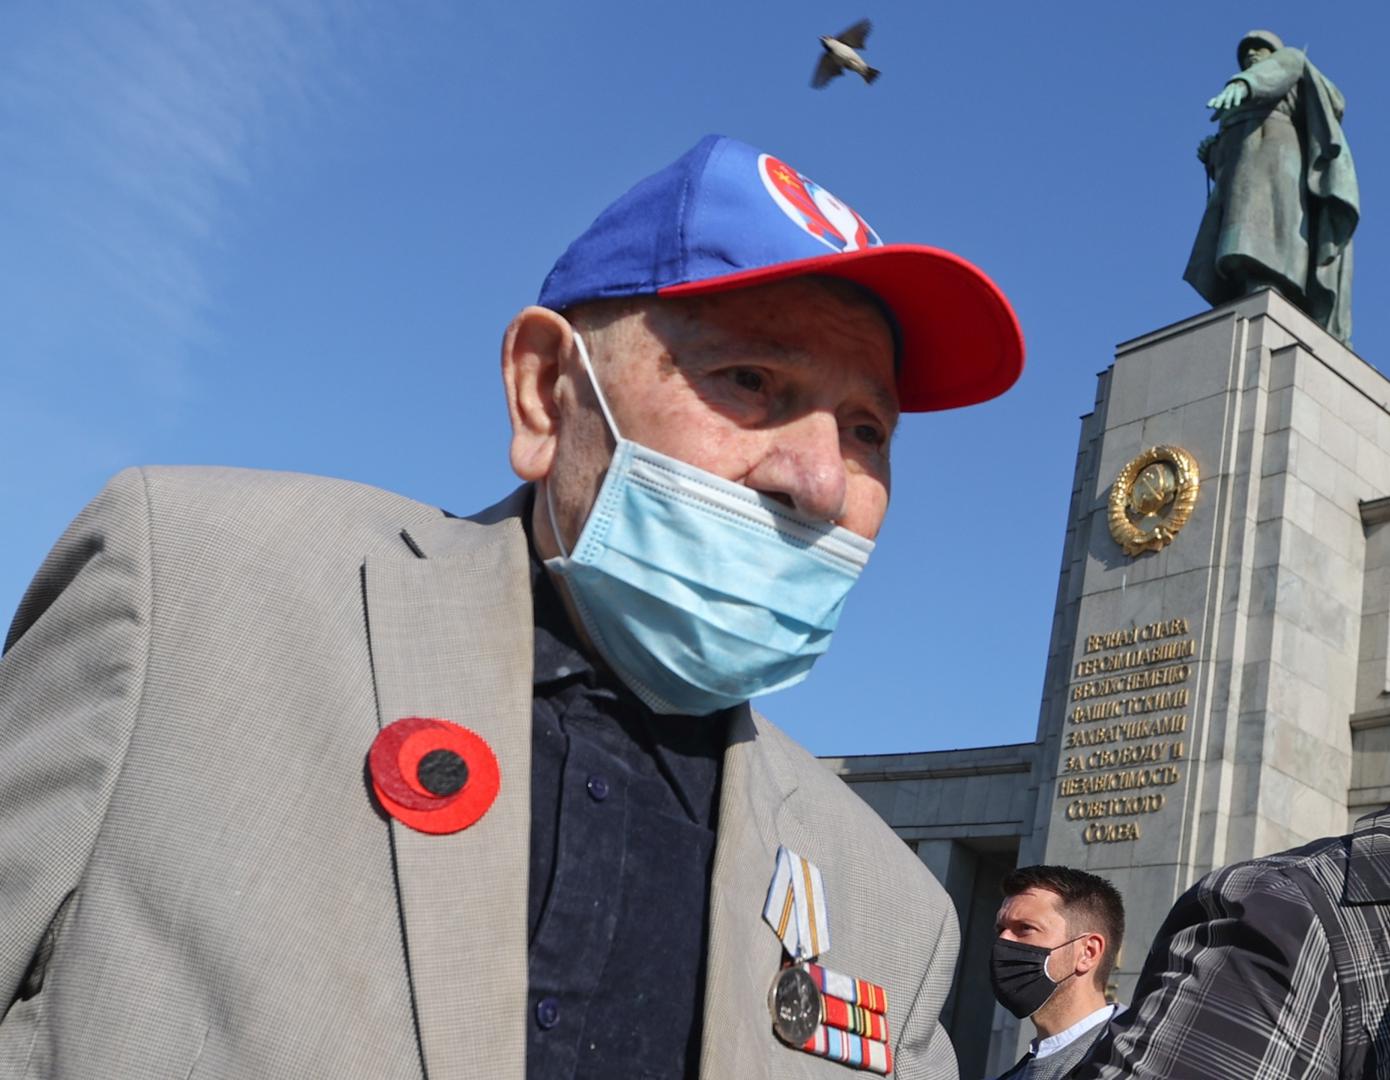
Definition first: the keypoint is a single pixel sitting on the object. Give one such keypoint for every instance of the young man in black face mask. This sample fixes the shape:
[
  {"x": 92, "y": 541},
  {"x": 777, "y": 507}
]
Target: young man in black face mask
[{"x": 1059, "y": 930}]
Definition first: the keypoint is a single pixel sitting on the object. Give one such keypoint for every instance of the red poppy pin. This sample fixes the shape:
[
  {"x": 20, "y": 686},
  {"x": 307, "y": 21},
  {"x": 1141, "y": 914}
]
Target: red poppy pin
[{"x": 433, "y": 775}]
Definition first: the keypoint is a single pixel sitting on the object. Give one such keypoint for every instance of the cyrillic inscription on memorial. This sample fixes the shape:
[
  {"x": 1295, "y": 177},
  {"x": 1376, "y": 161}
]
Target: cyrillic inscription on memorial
[{"x": 1125, "y": 736}]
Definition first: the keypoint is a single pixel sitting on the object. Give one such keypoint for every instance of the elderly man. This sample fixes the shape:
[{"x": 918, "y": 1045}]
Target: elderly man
[
  {"x": 302, "y": 778},
  {"x": 1059, "y": 931}
]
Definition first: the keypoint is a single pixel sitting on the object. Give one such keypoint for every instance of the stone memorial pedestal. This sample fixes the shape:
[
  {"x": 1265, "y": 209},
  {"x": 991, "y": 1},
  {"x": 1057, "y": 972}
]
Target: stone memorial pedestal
[{"x": 1201, "y": 699}]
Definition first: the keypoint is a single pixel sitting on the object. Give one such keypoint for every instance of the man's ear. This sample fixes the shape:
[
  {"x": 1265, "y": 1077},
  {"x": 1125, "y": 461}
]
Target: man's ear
[
  {"x": 1088, "y": 956},
  {"x": 532, "y": 349}
]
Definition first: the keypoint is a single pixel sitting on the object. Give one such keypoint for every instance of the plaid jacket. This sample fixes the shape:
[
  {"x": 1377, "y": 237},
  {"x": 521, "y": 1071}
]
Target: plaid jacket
[{"x": 1274, "y": 968}]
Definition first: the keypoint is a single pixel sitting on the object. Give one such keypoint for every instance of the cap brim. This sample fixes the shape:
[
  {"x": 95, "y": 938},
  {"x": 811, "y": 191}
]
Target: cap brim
[{"x": 959, "y": 338}]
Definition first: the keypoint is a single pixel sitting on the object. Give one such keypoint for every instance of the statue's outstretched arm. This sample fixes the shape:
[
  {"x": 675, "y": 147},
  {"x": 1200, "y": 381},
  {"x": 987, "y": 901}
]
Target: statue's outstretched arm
[{"x": 1232, "y": 95}]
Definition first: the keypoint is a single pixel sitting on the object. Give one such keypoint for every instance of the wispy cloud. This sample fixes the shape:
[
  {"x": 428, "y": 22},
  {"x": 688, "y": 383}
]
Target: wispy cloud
[{"x": 128, "y": 131}]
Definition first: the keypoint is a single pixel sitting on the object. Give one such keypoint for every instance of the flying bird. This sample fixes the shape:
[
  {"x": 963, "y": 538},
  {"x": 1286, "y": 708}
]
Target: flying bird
[{"x": 840, "y": 54}]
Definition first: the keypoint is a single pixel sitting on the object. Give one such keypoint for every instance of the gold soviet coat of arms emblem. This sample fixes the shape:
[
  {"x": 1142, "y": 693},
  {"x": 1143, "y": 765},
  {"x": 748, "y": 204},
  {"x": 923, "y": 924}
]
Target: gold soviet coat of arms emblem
[{"x": 1152, "y": 499}]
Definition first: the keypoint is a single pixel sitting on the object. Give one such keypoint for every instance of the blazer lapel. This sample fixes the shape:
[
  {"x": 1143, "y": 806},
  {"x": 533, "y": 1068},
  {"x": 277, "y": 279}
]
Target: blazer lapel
[
  {"x": 449, "y": 621},
  {"x": 744, "y": 952}
]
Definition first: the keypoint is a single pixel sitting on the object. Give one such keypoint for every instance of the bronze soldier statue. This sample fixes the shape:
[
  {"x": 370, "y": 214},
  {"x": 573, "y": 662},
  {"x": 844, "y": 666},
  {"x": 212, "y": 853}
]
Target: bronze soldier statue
[{"x": 1283, "y": 203}]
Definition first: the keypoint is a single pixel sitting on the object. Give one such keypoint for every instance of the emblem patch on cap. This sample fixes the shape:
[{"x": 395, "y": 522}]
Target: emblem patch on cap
[{"x": 813, "y": 209}]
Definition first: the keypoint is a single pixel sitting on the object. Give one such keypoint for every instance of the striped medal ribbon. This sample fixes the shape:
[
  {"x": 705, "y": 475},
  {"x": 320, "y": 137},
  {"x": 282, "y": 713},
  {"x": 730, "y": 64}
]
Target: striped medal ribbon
[
  {"x": 859, "y": 992},
  {"x": 838, "y": 1013},
  {"x": 869, "y": 1055},
  {"x": 795, "y": 906}
]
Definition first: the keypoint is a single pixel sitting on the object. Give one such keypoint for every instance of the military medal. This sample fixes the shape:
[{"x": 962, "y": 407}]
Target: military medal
[
  {"x": 795, "y": 1004},
  {"x": 815, "y": 1009}
]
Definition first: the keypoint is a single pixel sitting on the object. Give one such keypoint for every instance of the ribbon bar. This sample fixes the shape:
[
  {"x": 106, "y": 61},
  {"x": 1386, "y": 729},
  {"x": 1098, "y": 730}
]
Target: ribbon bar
[
  {"x": 859, "y": 992},
  {"x": 868, "y": 1055},
  {"x": 837, "y": 1013}
]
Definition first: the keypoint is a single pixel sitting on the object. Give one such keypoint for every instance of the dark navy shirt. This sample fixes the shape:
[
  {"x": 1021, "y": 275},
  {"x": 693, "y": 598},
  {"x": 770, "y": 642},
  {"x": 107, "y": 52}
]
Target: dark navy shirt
[{"x": 623, "y": 806}]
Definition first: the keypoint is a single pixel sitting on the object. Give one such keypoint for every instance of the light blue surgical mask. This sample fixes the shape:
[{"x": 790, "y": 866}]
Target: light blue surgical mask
[{"x": 698, "y": 592}]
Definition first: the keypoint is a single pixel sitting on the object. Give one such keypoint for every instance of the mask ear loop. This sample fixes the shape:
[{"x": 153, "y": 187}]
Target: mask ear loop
[
  {"x": 1058, "y": 982},
  {"x": 608, "y": 419},
  {"x": 593, "y": 381},
  {"x": 554, "y": 529}
]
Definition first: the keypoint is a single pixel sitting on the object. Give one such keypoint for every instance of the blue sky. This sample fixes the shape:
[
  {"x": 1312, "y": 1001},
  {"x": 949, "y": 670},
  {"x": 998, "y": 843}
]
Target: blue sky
[{"x": 289, "y": 234}]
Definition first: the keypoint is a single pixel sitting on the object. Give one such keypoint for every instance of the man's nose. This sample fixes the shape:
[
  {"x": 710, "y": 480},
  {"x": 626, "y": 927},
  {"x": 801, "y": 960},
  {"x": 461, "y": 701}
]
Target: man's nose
[{"x": 804, "y": 464}]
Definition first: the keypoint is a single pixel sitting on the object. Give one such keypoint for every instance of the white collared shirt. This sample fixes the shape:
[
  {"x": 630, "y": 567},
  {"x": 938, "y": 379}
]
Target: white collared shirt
[{"x": 1041, "y": 1048}]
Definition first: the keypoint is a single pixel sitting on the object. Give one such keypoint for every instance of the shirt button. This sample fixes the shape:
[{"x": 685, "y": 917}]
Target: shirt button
[
  {"x": 547, "y": 1012},
  {"x": 598, "y": 788}
]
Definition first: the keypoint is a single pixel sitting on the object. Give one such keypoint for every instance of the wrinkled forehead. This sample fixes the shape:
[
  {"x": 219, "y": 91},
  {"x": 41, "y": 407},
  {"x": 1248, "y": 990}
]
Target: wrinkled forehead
[
  {"x": 752, "y": 312},
  {"x": 808, "y": 292},
  {"x": 782, "y": 310},
  {"x": 789, "y": 319}
]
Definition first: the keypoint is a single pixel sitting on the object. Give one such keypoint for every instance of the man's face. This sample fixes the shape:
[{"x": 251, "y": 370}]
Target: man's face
[
  {"x": 1033, "y": 917},
  {"x": 1253, "y": 53},
  {"x": 787, "y": 388}
]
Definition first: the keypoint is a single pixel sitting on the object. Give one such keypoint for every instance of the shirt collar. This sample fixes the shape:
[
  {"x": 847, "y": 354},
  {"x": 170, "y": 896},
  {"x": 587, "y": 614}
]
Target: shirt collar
[{"x": 1041, "y": 1048}]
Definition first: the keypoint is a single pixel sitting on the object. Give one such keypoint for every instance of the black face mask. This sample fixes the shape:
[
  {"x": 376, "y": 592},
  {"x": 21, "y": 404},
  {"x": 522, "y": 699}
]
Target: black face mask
[{"x": 1018, "y": 973}]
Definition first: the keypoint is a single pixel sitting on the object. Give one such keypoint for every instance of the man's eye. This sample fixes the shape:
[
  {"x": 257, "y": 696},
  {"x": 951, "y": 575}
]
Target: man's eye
[
  {"x": 748, "y": 379},
  {"x": 868, "y": 434}
]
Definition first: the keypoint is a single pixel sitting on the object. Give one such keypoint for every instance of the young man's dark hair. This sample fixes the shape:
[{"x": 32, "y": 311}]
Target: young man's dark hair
[{"x": 1088, "y": 902}]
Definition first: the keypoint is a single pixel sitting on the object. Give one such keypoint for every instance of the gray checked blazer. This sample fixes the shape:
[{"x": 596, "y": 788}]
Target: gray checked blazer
[
  {"x": 195, "y": 881},
  {"x": 1058, "y": 1064},
  {"x": 1273, "y": 969}
]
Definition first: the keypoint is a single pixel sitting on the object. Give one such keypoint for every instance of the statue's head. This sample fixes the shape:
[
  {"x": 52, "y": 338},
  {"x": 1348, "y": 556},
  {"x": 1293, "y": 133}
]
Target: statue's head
[{"x": 1255, "y": 46}]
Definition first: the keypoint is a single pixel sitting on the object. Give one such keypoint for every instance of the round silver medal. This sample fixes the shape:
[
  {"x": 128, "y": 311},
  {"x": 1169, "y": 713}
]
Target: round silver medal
[{"x": 795, "y": 1003}]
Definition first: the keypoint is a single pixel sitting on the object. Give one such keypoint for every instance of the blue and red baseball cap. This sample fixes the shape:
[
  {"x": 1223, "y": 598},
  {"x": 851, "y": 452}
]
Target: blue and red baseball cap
[{"x": 725, "y": 216}]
